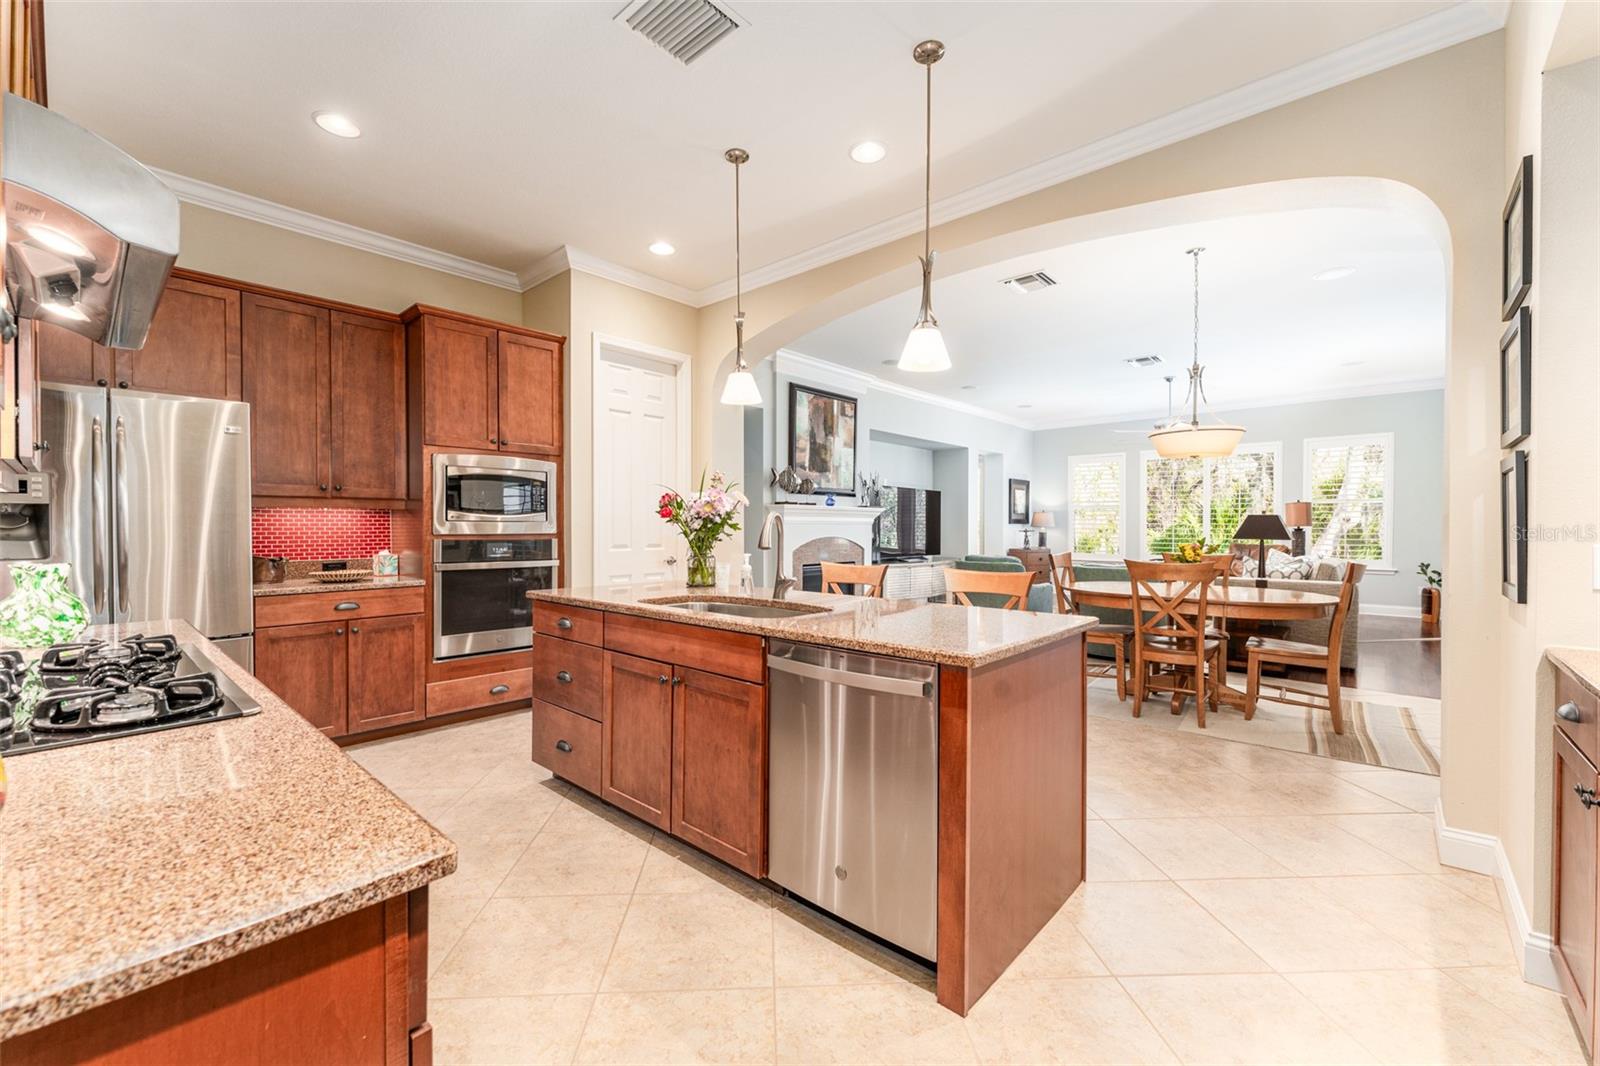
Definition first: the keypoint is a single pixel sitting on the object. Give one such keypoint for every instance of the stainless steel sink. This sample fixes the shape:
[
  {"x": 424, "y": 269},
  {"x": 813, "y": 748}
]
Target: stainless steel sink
[{"x": 742, "y": 608}]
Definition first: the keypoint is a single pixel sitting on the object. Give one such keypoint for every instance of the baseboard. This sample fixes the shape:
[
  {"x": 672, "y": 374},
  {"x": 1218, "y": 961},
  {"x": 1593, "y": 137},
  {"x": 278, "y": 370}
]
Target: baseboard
[
  {"x": 1390, "y": 610},
  {"x": 1481, "y": 853}
]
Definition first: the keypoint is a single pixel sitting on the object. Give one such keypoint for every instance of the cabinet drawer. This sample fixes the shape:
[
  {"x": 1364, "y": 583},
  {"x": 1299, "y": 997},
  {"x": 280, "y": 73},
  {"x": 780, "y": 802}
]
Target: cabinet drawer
[
  {"x": 1584, "y": 733},
  {"x": 567, "y": 744},
  {"x": 716, "y": 651},
  {"x": 336, "y": 606},
  {"x": 569, "y": 623},
  {"x": 569, "y": 674},
  {"x": 486, "y": 690}
]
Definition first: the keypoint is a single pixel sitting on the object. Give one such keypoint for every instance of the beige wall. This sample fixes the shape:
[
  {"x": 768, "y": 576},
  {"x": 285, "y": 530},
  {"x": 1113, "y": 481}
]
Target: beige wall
[{"x": 220, "y": 243}]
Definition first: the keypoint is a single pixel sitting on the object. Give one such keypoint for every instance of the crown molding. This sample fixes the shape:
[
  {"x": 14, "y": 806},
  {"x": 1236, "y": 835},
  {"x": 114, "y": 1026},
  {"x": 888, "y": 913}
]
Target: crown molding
[
  {"x": 602, "y": 268},
  {"x": 1380, "y": 388},
  {"x": 543, "y": 270},
  {"x": 788, "y": 360},
  {"x": 254, "y": 208}
]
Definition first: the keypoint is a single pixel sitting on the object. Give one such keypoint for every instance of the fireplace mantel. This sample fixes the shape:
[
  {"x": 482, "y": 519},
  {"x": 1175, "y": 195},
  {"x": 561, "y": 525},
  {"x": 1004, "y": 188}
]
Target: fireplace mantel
[{"x": 803, "y": 522}]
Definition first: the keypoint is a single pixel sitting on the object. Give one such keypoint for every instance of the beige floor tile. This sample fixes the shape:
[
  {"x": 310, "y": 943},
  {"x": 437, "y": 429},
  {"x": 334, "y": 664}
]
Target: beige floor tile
[
  {"x": 431, "y": 803},
  {"x": 868, "y": 1024},
  {"x": 1082, "y": 1020},
  {"x": 1056, "y": 951},
  {"x": 1439, "y": 925},
  {"x": 1408, "y": 837},
  {"x": 1311, "y": 846},
  {"x": 481, "y": 864},
  {"x": 1543, "y": 1012},
  {"x": 1424, "y": 1016},
  {"x": 1318, "y": 793},
  {"x": 808, "y": 949},
  {"x": 723, "y": 1026},
  {"x": 580, "y": 850},
  {"x": 1418, "y": 792},
  {"x": 1296, "y": 926},
  {"x": 701, "y": 940},
  {"x": 448, "y": 919},
  {"x": 1475, "y": 886},
  {"x": 672, "y": 867},
  {"x": 506, "y": 811},
  {"x": 506, "y": 1029},
  {"x": 1152, "y": 927},
  {"x": 1187, "y": 848},
  {"x": 1112, "y": 858},
  {"x": 533, "y": 946},
  {"x": 1241, "y": 1018}
]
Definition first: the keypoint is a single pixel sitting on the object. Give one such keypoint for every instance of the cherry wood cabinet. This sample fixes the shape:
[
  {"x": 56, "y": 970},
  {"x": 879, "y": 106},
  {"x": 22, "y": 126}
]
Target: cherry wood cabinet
[
  {"x": 636, "y": 738},
  {"x": 387, "y": 671},
  {"x": 367, "y": 406},
  {"x": 719, "y": 740},
  {"x": 69, "y": 358},
  {"x": 530, "y": 394},
  {"x": 461, "y": 374},
  {"x": 1575, "y": 851},
  {"x": 305, "y": 666}
]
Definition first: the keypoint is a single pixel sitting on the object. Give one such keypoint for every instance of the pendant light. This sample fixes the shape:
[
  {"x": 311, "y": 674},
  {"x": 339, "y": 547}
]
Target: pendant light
[
  {"x": 741, "y": 389},
  {"x": 925, "y": 351},
  {"x": 1191, "y": 440}
]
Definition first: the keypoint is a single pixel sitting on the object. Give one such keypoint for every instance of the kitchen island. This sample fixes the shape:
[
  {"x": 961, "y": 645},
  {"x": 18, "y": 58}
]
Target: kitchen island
[
  {"x": 652, "y": 699},
  {"x": 237, "y": 890}
]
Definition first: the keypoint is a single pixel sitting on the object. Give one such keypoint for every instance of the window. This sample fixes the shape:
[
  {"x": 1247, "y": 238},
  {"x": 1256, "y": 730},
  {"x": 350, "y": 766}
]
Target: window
[
  {"x": 1188, "y": 500},
  {"x": 1094, "y": 505},
  {"x": 1349, "y": 481}
]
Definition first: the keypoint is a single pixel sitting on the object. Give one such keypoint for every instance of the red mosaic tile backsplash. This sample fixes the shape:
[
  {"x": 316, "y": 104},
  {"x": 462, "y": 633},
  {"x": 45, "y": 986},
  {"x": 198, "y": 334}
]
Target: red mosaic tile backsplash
[{"x": 318, "y": 532}]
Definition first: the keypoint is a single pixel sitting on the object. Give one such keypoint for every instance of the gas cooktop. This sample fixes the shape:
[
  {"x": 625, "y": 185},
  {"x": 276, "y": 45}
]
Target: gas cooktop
[{"x": 99, "y": 690}]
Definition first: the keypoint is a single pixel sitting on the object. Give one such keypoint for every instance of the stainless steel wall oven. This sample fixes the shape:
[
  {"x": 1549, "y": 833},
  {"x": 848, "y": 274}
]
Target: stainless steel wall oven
[{"x": 480, "y": 593}]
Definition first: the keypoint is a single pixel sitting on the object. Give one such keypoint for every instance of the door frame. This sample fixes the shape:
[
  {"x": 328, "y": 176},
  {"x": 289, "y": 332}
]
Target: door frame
[{"x": 600, "y": 343}]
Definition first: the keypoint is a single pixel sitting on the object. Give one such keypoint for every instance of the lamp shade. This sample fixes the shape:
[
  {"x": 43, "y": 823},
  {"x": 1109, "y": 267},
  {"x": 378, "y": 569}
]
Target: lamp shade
[
  {"x": 1044, "y": 519},
  {"x": 741, "y": 390},
  {"x": 1297, "y": 513},
  {"x": 1196, "y": 441},
  {"x": 925, "y": 352},
  {"x": 1262, "y": 527}
]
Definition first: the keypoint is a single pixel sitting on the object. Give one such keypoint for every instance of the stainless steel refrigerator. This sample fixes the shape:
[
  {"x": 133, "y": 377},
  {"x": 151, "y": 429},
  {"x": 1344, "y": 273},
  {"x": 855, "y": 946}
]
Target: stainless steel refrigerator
[{"x": 147, "y": 496}]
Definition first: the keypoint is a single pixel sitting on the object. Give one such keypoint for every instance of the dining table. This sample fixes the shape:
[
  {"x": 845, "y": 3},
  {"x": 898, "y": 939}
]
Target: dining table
[{"x": 1243, "y": 602}]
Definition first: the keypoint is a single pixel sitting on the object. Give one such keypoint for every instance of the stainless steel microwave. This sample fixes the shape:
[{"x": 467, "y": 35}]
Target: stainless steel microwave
[{"x": 493, "y": 494}]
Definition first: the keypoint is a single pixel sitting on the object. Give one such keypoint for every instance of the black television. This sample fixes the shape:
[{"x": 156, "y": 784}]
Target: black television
[{"x": 909, "y": 524}]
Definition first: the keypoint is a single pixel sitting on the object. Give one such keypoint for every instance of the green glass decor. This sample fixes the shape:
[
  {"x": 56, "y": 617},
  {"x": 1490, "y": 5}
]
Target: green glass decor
[{"x": 43, "y": 610}]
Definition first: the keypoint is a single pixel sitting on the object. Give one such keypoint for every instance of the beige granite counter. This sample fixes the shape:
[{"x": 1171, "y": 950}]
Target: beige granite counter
[
  {"x": 939, "y": 633},
  {"x": 1581, "y": 663},
  {"x": 127, "y": 862},
  {"x": 296, "y": 586}
]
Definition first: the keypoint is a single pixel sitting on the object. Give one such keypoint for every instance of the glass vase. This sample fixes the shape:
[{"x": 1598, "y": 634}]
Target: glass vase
[
  {"x": 43, "y": 610},
  {"x": 702, "y": 569}
]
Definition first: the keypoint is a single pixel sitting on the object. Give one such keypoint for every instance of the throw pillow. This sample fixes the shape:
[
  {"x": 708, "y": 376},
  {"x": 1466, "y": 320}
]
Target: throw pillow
[{"x": 1288, "y": 567}]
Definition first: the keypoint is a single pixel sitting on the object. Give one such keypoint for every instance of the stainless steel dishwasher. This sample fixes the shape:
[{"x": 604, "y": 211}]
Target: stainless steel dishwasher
[{"x": 853, "y": 812}]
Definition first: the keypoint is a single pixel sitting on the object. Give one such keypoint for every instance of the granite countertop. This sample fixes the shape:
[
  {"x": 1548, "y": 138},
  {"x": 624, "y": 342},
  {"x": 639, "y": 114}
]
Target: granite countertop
[
  {"x": 1582, "y": 663},
  {"x": 128, "y": 862},
  {"x": 296, "y": 586},
  {"x": 911, "y": 629}
]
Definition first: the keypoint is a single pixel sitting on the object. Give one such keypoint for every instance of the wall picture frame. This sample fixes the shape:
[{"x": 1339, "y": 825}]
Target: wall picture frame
[
  {"x": 1516, "y": 241},
  {"x": 1514, "y": 526},
  {"x": 1018, "y": 499},
  {"x": 1516, "y": 380},
  {"x": 822, "y": 438}
]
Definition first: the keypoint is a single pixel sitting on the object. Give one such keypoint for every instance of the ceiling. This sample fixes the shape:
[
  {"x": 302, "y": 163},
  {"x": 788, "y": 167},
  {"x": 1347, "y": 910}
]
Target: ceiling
[
  {"x": 502, "y": 132},
  {"x": 1268, "y": 331}
]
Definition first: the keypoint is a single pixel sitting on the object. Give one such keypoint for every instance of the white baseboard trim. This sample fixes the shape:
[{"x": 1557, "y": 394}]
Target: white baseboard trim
[
  {"x": 1481, "y": 853},
  {"x": 1389, "y": 610}
]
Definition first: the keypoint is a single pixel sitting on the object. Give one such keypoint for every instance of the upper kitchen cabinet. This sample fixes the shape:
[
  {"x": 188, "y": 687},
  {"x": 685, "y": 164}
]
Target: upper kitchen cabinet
[
  {"x": 367, "y": 424},
  {"x": 481, "y": 387},
  {"x": 69, "y": 358}
]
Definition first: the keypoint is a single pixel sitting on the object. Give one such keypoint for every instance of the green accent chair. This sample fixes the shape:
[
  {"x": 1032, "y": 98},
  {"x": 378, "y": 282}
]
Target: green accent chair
[
  {"x": 1041, "y": 597},
  {"x": 1110, "y": 616}
]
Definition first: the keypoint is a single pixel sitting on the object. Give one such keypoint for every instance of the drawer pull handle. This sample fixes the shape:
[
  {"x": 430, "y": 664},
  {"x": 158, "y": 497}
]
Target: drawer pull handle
[
  {"x": 1586, "y": 796},
  {"x": 563, "y": 623},
  {"x": 662, "y": 679},
  {"x": 563, "y": 677},
  {"x": 347, "y": 605},
  {"x": 677, "y": 680},
  {"x": 1568, "y": 712},
  {"x": 563, "y": 746},
  {"x": 500, "y": 690}
]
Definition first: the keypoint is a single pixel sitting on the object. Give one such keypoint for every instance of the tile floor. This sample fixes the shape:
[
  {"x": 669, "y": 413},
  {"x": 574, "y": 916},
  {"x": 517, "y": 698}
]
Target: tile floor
[{"x": 1243, "y": 905}]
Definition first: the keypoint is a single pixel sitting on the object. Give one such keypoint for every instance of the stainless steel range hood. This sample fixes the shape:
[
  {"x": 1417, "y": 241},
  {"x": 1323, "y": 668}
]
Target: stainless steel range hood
[{"x": 91, "y": 235}]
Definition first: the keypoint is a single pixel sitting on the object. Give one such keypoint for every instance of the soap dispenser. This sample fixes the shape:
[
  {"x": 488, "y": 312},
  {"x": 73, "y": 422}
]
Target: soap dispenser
[{"x": 747, "y": 578}]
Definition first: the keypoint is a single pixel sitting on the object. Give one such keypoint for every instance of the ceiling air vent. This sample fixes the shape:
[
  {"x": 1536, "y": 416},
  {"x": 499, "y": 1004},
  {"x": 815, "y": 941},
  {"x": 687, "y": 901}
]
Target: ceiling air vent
[
  {"x": 685, "y": 28},
  {"x": 1144, "y": 360},
  {"x": 1029, "y": 282}
]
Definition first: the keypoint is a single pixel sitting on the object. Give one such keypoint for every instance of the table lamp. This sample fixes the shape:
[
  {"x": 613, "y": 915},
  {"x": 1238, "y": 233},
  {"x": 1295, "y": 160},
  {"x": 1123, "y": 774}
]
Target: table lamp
[
  {"x": 1297, "y": 515},
  {"x": 1262, "y": 528},
  {"x": 1042, "y": 521}
]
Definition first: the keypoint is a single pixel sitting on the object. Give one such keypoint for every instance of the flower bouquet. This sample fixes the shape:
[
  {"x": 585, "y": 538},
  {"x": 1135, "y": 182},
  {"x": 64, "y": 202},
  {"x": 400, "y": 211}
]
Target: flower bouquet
[{"x": 708, "y": 516}]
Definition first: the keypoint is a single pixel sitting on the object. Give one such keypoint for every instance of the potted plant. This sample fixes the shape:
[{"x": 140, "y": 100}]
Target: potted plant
[
  {"x": 710, "y": 515},
  {"x": 1432, "y": 592}
]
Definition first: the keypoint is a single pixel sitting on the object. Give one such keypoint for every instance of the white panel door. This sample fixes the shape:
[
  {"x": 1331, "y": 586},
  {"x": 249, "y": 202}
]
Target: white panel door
[{"x": 637, "y": 452}]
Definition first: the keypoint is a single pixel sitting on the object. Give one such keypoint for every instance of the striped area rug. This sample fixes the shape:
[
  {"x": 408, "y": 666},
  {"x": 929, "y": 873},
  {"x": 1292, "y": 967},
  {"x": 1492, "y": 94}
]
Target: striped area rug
[{"x": 1380, "y": 728}]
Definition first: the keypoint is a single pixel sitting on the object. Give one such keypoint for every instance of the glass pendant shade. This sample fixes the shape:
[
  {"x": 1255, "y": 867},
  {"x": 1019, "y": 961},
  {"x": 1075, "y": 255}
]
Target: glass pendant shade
[
  {"x": 1196, "y": 441},
  {"x": 924, "y": 352},
  {"x": 741, "y": 390}
]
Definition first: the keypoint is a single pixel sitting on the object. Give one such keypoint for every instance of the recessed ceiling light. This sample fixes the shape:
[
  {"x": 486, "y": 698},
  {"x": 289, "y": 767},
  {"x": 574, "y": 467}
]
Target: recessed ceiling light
[
  {"x": 336, "y": 124},
  {"x": 71, "y": 312},
  {"x": 868, "y": 152},
  {"x": 1333, "y": 274},
  {"x": 57, "y": 241},
  {"x": 661, "y": 248}
]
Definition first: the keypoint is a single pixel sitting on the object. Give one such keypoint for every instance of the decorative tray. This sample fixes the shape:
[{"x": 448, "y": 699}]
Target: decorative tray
[{"x": 334, "y": 577}]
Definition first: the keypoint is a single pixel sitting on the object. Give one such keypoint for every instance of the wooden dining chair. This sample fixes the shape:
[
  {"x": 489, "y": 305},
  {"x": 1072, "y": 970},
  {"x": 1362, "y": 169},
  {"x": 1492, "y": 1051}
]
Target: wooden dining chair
[
  {"x": 1260, "y": 650},
  {"x": 960, "y": 585},
  {"x": 1115, "y": 637},
  {"x": 868, "y": 580},
  {"x": 1169, "y": 630}
]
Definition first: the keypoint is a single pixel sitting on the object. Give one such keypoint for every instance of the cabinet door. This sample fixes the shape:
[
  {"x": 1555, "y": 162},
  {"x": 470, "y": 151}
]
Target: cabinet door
[
  {"x": 67, "y": 358},
  {"x": 194, "y": 344},
  {"x": 530, "y": 394},
  {"x": 1573, "y": 882},
  {"x": 386, "y": 671},
  {"x": 460, "y": 369},
  {"x": 286, "y": 384},
  {"x": 636, "y": 738},
  {"x": 368, "y": 408},
  {"x": 305, "y": 666},
  {"x": 719, "y": 737}
]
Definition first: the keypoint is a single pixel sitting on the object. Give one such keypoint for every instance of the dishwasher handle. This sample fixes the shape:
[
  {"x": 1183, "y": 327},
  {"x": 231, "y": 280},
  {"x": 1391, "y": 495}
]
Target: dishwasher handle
[{"x": 892, "y": 686}]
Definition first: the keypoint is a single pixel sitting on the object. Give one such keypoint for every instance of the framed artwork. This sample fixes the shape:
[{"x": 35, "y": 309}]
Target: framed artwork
[
  {"x": 1017, "y": 502},
  {"x": 1514, "y": 526},
  {"x": 1516, "y": 380},
  {"x": 822, "y": 438},
  {"x": 1516, "y": 241}
]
